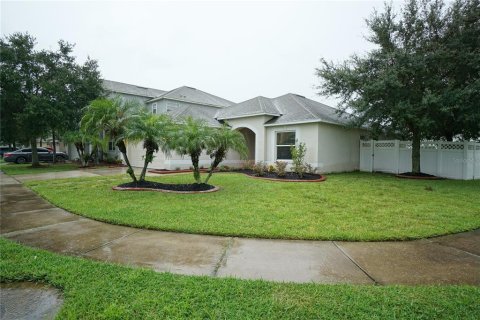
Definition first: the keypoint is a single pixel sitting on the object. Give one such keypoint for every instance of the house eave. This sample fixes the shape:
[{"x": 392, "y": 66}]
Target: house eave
[
  {"x": 188, "y": 101},
  {"x": 129, "y": 93},
  {"x": 302, "y": 122},
  {"x": 249, "y": 116}
]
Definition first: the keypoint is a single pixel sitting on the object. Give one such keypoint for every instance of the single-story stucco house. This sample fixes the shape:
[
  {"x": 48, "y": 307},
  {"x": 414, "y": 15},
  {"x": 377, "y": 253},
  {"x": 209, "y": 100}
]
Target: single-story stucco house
[{"x": 270, "y": 126}]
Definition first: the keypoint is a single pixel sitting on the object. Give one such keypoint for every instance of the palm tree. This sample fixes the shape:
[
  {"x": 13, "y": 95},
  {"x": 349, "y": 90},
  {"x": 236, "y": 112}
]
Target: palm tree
[
  {"x": 156, "y": 133},
  {"x": 191, "y": 139},
  {"x": 80, "y": 139},
  {"x": 220, "y": 141},
  {"x": 112, "y": 117}
]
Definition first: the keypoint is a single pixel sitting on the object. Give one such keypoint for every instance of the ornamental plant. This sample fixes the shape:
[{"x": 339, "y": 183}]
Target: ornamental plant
[
  {"x": 260, "y": 168},
  {"x": 281, "y": 168},
  {"x": 298, "y": 158}
]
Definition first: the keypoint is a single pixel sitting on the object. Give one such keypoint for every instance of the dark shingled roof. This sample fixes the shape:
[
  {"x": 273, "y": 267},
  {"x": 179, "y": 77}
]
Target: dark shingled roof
[
  {"x": 120, "y": 87},
  {"x": 252, "y": 107},
  {"x": 205, "y": 113},
  {"x": 190, "y": 94},
  {"x": 289, "y": 108}
]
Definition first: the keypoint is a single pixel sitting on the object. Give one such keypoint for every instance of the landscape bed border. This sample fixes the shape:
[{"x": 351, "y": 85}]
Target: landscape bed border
[{"x": 115, "y": 188}]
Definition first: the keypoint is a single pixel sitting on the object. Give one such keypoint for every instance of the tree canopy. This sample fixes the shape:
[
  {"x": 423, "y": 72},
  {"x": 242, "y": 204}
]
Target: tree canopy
[
  {"x": 423, "y": 78},
  {"x": 112, "y": 118},
  {"x": 42, "y": 91}
]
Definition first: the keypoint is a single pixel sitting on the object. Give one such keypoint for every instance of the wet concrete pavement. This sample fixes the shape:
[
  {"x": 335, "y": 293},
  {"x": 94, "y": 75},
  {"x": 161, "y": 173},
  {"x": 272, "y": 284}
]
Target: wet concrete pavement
[
  {"x": 30, "y": 220},
  {"x": 25, "y": 300}
]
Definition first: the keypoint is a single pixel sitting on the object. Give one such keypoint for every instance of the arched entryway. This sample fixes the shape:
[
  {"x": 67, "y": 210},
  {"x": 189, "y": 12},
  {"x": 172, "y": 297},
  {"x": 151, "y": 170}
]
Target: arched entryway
[{"x": 250, "y": 138}]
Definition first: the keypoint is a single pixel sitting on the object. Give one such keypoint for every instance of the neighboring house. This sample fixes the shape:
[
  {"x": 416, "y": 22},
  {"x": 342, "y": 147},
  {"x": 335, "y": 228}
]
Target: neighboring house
[{"x": 270, "y": 126}]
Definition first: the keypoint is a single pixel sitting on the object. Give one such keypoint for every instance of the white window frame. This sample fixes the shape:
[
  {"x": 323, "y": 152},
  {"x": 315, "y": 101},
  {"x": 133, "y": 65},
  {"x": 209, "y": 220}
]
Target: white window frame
[
  {"x": 283, "y": 145},
  {"x": 154, "y": 108},
  {"x": 111, "y": 146}
]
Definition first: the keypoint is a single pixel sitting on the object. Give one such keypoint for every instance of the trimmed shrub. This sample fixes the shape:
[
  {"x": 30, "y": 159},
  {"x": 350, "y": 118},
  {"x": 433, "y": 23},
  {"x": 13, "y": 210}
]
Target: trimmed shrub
[
  {"x": 260, "y": 168},
  {"x": 298, "y": 158},
  {"x": 281, "y": 168}
]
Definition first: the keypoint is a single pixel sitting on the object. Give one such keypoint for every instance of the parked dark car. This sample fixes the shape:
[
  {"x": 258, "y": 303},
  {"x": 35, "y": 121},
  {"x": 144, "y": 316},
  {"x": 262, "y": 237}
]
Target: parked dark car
[
  {"x": 25, "y": 155},
  {"x": 4, "y": 150}
]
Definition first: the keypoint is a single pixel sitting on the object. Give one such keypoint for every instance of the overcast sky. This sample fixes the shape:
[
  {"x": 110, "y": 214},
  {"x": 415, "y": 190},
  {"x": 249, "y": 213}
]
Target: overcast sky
[{"x": 236, "y": 50}]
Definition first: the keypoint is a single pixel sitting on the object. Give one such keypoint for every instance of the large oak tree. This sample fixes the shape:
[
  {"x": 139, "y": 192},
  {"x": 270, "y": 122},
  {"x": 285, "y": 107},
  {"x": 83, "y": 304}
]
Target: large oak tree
[{"x": 423, "y": 78}]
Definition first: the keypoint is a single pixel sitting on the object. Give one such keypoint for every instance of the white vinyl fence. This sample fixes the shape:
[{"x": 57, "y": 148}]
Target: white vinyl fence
[{"x": 454, "y": 160}]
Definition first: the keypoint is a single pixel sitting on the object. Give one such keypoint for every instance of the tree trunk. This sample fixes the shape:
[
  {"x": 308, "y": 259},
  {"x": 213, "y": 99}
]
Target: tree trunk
[
  {"x": 196, "y": 172},
  {"x": 33, "y": 144},
  {"x": 54, "y": 160},
  {"x": 80, "y": 154},
  {"x": 209, "y": 175},
  {"x": 219, "y": 156},
  {"x": 416, "y": 153},
  {"x": 123, "y": 149},
  {"x": 148, "y": 157}
]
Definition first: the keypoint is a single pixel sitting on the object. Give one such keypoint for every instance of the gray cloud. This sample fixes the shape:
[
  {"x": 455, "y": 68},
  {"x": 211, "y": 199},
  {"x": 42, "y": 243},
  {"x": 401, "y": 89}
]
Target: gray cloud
[{"x": 236, "y": 50}]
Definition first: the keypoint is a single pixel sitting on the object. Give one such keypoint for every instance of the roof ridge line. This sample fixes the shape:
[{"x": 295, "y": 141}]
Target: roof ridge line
[
  {"x": 303, "y": 106},
  {"x": 212, "y": 95}
]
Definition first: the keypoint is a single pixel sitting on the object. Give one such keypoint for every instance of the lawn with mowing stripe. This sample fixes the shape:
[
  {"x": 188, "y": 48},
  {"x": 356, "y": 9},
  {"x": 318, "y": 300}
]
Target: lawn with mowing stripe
[
  {"x": 95, "y": 290},
  {"x": 16, "y": 169},
  {"x": 348, "y": 206}
]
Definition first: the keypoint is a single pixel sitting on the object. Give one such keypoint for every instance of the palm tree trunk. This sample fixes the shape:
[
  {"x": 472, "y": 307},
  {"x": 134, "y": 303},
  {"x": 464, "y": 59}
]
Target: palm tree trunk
[
  {"x": 219, "y": 156},
  {"x": 148, "y": 157},
  {"x": 196, "y": 172},
  {"x": 123, "y": 149},
  {"x": 209, "y": 175}
]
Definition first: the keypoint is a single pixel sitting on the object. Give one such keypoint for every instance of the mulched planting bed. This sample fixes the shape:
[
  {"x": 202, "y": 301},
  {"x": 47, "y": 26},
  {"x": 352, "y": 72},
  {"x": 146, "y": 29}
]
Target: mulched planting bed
[
  {"x": 421, "y": 175},
  {"x": 289, "y": 176},
  {"x": 156, "y": 186}
]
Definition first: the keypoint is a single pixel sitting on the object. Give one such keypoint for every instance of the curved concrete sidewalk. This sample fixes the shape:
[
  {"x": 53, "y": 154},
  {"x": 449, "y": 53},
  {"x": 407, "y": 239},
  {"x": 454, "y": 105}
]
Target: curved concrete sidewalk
[{"x": 30, "y": 220}]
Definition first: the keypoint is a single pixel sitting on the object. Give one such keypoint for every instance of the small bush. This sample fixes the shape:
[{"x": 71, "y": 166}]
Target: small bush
[
  {"x": 248, "y": 165},
  {"x": 224, "y": 168},
  {"x": 260, "y": 168},
  {"x": 298, "y": 158},
  {"x": 310, "y": 169},
  {"x": 271, "y": 168},
  {"x": 281, "y": 168}
]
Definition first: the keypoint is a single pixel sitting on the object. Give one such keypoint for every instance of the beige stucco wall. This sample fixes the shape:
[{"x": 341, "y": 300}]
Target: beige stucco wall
[
  {"x": 330, "y": 148},
  {"x": 173, "y": 161},
  {"x": 136, "y": 152},
  {"x": 338, "y": 148},
  {"x": 306, "y": 133},
  {"x": 256, "y": 124}
]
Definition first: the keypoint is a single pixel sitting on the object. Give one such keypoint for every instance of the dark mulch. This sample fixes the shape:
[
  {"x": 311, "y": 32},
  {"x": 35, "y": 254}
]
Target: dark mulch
[
  {"x": 288, "y": 175},
  {"x": 418, "y": 175},
  {"x": 166, "y": 186}
]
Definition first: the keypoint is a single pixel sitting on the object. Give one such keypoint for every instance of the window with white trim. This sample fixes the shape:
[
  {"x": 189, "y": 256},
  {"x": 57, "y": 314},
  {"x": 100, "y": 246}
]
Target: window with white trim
[
  {"x": 285, "y": 140},
  {"x": 111, "y": 146},
  {"x": 154, "y": 108}
]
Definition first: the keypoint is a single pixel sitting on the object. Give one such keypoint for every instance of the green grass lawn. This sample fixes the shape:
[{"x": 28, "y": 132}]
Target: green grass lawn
[
  {"x": 349, "y": 206},
  {"x": 94, "y": 290},
  {"x": 15, "y": 169}
]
